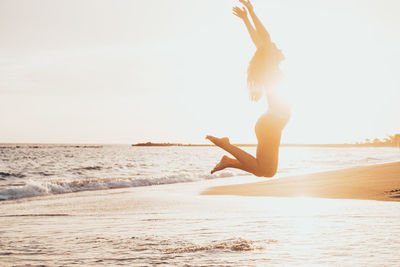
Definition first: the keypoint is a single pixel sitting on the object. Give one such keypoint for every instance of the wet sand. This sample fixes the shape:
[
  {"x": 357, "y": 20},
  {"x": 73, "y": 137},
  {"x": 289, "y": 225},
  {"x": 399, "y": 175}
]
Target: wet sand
[{"x": 378, "y": 182}]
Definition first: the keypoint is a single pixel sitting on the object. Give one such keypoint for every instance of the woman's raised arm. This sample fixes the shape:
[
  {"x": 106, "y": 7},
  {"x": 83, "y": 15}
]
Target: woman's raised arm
[
  {"x": 242, "y": 13},
  {"x": 262, "y": 33}
]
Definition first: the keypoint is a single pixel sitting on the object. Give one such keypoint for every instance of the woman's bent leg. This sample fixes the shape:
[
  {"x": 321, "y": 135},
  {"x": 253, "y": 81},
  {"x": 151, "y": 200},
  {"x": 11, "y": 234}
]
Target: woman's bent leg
[
  {"x": 269, "y": 138},
  {"x": 244, "y": 160},
  {"x": 267, "y": 157}
]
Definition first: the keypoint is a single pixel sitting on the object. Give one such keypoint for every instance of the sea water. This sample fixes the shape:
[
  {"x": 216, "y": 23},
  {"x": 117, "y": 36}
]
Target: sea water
[
  {"x": 156, "y": 216},
  {"x": 172, "y": 225},
  {"x": 34, "y": 170}
]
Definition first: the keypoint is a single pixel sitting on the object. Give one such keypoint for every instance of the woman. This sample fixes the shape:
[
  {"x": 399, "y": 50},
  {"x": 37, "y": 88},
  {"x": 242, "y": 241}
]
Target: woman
[{"x": 262, "y": 75}]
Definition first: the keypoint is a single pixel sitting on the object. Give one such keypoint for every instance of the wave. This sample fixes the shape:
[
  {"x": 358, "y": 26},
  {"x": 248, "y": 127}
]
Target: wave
[
  {"x": 52, "y": 187},
  {"x": 8, "y": 174},
  {"x": 88, "y": 168},
  {"x": 232, "y": 245}
]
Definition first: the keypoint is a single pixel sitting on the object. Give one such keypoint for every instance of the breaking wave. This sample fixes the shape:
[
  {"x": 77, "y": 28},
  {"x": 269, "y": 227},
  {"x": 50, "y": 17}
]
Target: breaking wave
[{"x": 52, "y": 187}]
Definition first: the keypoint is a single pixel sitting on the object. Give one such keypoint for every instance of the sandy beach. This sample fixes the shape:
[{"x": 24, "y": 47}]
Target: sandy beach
[{"x": 378, "y": 182}]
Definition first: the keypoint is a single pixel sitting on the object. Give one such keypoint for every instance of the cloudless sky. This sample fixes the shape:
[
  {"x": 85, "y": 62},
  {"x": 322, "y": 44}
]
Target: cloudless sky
[{"x": 99, "y": 71}]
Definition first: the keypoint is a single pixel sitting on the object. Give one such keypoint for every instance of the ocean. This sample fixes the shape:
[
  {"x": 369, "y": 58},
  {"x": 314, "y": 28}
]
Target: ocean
[
  {"x": 36, "y": 170},
  {"x": 150, "y": 211}
]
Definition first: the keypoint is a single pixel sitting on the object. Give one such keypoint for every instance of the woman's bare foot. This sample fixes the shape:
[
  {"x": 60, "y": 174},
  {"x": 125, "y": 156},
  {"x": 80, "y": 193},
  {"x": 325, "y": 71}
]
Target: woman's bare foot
[
  {"x": 221, "y": 142},
  {"x": 225, "y": 162}
]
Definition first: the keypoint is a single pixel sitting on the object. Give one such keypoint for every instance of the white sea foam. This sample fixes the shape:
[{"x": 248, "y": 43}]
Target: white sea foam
[{"x": 50, "y": 187}]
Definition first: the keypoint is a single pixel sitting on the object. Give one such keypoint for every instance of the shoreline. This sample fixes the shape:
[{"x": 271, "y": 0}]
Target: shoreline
[
  {"x": 220, "y": 188},
  {"x": 374, "y": 182}
]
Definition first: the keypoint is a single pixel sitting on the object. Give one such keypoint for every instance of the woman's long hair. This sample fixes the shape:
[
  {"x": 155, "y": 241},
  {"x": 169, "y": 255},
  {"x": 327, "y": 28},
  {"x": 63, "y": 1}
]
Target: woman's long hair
[{"x": 263, "y": 70}]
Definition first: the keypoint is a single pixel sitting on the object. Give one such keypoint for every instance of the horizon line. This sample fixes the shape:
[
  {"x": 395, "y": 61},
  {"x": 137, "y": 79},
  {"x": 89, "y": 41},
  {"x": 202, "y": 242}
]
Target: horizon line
[{"x": 209, "y": 145}]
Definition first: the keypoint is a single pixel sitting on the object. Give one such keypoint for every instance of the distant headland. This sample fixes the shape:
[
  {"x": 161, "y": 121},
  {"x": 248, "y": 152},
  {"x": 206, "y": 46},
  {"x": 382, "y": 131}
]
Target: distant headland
[{"x": 388, "y": 142}]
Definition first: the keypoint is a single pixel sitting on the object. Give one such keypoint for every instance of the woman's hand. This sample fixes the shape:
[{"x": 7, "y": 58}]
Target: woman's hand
[
  {"x": 247, "y": 4},
  {"x": 241, "y": 13}
]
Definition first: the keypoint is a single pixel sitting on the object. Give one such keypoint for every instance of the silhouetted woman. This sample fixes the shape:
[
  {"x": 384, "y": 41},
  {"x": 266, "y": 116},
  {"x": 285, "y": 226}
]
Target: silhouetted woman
[{"x": 263, "y": 74}]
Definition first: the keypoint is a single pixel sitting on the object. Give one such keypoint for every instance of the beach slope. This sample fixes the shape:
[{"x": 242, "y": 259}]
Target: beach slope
[{"x": 377, "y": 182}]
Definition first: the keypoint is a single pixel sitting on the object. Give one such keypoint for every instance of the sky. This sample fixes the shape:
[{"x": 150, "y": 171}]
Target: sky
[{"x": 97, "y": 71}]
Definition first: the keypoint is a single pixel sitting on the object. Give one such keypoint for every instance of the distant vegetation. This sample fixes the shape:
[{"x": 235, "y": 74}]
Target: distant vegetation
[{"x": 390, "y": 141}]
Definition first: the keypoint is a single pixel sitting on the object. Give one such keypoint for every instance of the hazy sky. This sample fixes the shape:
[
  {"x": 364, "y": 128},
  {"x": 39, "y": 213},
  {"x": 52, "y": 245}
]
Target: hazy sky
[{"x": 174, "y": 70}]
